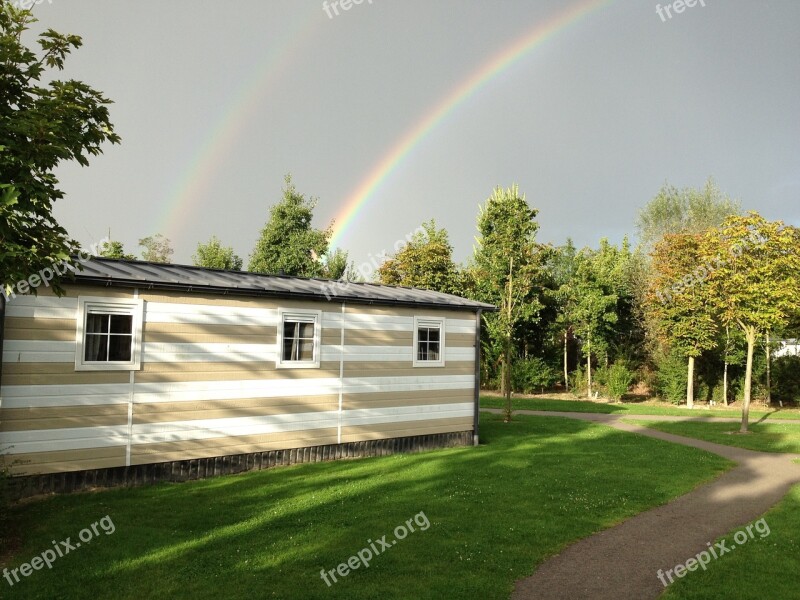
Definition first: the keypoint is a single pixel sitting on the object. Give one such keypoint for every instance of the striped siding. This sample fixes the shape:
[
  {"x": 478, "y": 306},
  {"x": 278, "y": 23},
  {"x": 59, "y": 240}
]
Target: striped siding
[{"x": 209, "y": 387}]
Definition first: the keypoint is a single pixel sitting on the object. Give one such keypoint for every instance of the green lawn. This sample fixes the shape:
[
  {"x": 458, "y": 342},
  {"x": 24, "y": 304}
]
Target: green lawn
[
  {"x": 632, "y": 408},
  {"x": 763, "y": 567},
  {"x": 494, "y": 512},
  {"x": 764, "y": 437}
]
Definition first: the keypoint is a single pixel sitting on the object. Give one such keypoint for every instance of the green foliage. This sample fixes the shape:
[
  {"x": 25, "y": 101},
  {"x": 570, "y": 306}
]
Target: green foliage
[
  {"x": 338, "y": 266},
  {"x": 288, "y": 243},
  {"x": 533, "y": 375},
  {"x": 507, "y": 271},
  {"x": 112, "y": 249},
  {"x": 618, "y": 379},
  {"x": 577, "y": 381},
  {"x": 426, "y": 261},
  {"x": 688, "y": 210},
  {"x": 671, "y": 377},
  {"x": 157, "y": 249},
  {"x": 786, "y": 378},
  {"x": 214, "y": 255},
  {"x": 44, "y": 122}
]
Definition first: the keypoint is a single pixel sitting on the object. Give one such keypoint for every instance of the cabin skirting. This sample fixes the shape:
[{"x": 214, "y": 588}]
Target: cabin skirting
[{"x": 202, "y": 468}]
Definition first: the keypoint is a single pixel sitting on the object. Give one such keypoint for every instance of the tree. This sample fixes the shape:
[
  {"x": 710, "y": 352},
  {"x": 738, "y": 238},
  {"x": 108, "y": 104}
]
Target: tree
[
  {"x": 214, "y": 255},
  {"x": 113, "y": 249},
  {"x": 339, "y": 266},
  {"x": 687, "y": 210},
  {"x": 678, "y": 300},
  {"x": 157, "y": 249},
  {"x": 562, "y": 270},
  {"x": 755, "y": 284},
  {"x": 42, "y": 125},
  {"x": 426, "y": 261},
  {"x": 288, "y": 243},
  {"x": 508, "y": 266},
  {"x": 593, "y": 309}
]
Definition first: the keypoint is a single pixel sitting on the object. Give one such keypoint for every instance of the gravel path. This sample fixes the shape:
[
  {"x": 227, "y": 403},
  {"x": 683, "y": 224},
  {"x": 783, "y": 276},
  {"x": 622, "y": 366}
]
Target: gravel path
[{"x": 622, "y": 562}]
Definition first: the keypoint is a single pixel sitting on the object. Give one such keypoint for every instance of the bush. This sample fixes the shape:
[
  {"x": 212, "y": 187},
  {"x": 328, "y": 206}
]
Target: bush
[
  {"x": 671, "y": 377},
  {"x": 532, "y": 375},
  {"x": 577, "y": 381},
  {"x": 786, "y": 378},
  {"x": 618, "y": 378}
]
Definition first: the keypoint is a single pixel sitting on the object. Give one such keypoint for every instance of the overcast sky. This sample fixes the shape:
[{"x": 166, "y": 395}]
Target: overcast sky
[{"x": 216, "y": 101}]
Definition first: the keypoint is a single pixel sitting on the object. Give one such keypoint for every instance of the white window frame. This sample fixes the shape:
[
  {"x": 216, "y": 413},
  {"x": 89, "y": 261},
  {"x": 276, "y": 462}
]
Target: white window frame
[
  {"x": 91, "y": 304},
  {"x": 439, "y": 322},
  {"x": 304, "y": 316}
]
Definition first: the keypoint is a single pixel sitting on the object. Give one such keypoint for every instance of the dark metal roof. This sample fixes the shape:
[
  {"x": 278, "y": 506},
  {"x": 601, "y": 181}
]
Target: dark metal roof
[{"x": 134, "y": 273}]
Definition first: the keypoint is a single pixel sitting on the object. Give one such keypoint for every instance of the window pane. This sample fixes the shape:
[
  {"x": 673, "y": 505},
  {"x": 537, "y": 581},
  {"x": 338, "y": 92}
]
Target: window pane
[
  {"x": 422, "y": 334},
  {"x": 306, "y": 350},
  {"x": 422, "y": 352},
  {"x": 120, "y": 347},
  {"x": 121, "y": 323},
  {"x": 95, "y": 348},
  {"x": 96, "y": 323},
  {"x": 288, "y": 346},
  {"x": 433, "y": 335},
  {"x": 307, "y": 330},
  {"x": 433, "y": 351}
]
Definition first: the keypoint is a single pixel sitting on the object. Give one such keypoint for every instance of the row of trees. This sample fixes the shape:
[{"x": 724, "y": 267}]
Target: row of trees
[{"x": 705, "y": 286}]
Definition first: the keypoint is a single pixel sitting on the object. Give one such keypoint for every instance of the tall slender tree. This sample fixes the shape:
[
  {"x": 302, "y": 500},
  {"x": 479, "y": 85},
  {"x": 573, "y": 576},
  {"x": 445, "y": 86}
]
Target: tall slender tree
[{"x": 508, "y": 270}]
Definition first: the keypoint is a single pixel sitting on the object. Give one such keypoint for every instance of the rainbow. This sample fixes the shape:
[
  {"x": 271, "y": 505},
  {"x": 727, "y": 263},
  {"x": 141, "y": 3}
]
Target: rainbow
[
  {"x": 202, "y": 165},
  {"x": 462, "y": 92}
]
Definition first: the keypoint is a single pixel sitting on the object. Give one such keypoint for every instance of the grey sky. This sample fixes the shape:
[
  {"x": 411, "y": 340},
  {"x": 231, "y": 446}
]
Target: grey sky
[{"x": 589, "y": 123}]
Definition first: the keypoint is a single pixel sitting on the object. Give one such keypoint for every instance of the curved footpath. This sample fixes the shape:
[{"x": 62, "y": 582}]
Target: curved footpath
[{"x": 622, "y": 562}]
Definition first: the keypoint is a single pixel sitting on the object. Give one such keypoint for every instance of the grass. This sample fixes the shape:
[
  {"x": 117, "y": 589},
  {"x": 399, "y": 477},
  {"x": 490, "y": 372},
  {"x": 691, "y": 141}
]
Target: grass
[
  {"x": 495, "y": 511},
  {"x": 763, "y": 567},
  {"x": 631, "y": 408},
  {"x": 763, "y": 437}
]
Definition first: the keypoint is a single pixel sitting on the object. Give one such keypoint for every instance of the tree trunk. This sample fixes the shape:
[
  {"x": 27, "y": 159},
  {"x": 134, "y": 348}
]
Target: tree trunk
[
  {"x": 725, "y": 383},
  {"x": 725, "y": 370},
  {"x": 507, "y": 379},
  {"x": 566, "y": 368},
  {"x": 690, "y": 384},
  {"x": 589, "y": 365},
  {"x": 748, "y": 378},
  {"x": 769, "y": 378}
]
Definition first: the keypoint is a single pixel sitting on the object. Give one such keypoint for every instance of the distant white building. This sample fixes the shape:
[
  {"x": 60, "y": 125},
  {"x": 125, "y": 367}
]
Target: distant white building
[{"x": 787, "y": 348}]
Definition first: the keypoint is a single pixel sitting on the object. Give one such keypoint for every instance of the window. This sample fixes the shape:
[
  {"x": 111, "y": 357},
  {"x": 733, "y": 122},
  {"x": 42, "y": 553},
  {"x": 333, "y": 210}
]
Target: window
[
  {"x": 298, "y": 339},
  {"x": 428, "y": 342},
  {"x": 109, "y": 334}
]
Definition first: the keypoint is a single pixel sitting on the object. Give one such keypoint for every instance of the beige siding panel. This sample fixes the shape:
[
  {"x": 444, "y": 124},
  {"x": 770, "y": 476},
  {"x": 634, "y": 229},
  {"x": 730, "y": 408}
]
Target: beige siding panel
[
  {"x": 233, "y": 301},
  {"x": 167, "y": 451},
  {"x": 241, "y": 371},
  {"x": 415, "y": 398},
  {"x": 27, "y": 419},
  {"x": 367, "y": 337},
  {"x": 225, "y": 409},
  {"x": 405, "y": 369},
  {"x": 51, "y": 330},
  {"x": 35, "y": 463},
  {"x": 184, "y": 333},
  {"x": 409, "y": 312},
  {"x": 57, "y": 374},
  {"x": 358, "y": 433}
]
